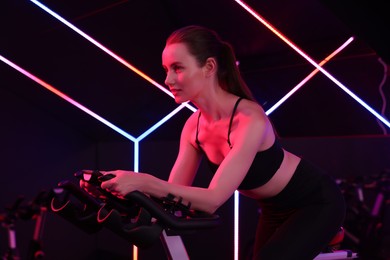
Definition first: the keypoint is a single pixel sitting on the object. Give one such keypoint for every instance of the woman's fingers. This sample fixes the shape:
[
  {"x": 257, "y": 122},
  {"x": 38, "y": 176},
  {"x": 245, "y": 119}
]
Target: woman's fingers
[{"x": 106, "y": 177}]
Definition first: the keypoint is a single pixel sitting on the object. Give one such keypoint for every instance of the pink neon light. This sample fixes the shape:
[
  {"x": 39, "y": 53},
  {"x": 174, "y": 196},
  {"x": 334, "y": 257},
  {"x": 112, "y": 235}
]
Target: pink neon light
[
  {"x": 108, "y": 51},
  {"x": 308, "y": 77},
  {"x": 274, "y": 30},
  {"x": 338, "y": 83},
  {"x": 65, "y": 97}
]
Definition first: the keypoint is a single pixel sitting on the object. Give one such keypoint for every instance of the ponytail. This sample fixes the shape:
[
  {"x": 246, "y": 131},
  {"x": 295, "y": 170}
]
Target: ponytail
[
  {"x": 204, "y": 43},
  {"x": 229, "y": 75}
]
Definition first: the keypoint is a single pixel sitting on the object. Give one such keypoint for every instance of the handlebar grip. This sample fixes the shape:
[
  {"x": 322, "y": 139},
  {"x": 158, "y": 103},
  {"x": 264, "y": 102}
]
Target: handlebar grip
[{"x": 138, "y": 218}]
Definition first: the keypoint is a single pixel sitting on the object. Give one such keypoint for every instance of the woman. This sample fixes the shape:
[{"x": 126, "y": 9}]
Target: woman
[{"x": 301, "y": 207}]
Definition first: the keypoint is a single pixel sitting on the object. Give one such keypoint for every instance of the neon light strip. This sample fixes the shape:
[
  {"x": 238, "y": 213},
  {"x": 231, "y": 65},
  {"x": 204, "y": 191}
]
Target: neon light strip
[
  {"x": 135, "y": 253},
  {"x": 236, "y": 223},
  {"x": 67, "y": 98},
  {"x": 136, "y": 156},
  {"x": 338, "y": 83},
  {"x": 109, "y": 52},
  {"x": 162, "y": 121},
  {"x": 308, "y": 77},
  {"x": 149, "y": 131},
  {"x": 91, "y": 113},
  {"x": 269, "y": 111}
]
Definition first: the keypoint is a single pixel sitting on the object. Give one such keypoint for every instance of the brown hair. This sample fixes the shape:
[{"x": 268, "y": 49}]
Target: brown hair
[{"x": 204, "y": 43}]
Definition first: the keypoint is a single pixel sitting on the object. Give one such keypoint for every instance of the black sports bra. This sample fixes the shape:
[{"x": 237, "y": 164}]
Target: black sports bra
[{"x": 264, "y": 165}]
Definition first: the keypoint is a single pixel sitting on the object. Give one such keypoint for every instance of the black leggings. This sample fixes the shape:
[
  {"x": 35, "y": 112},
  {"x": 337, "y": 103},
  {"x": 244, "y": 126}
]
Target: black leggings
[{"x": 300, "y": 221}]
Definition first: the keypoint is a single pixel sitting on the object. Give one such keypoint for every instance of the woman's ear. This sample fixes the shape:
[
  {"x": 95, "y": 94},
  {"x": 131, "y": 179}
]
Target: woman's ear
[{"x": 210, "y": 67}]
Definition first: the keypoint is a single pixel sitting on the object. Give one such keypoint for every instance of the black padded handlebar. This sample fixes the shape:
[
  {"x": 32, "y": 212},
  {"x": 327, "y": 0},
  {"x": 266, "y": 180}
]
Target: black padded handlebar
[{"x": 138, "y": 218}]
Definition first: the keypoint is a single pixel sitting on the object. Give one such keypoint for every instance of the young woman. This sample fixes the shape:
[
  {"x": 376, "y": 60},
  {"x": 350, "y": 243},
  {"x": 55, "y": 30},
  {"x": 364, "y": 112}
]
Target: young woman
[{"x": 301, "y": 206}]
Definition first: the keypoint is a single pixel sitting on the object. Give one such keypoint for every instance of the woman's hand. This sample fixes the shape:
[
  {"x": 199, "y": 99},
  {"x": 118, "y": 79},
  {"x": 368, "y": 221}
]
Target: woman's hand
[{"x": 124, "y": 182}]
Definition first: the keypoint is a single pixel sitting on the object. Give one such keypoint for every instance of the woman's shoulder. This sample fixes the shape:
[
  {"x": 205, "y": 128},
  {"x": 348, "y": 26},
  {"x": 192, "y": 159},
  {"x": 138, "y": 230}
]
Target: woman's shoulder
[
  {"x": 250, "y": 108},
  {"x": 192, "y": 121},
  {"x": 193, "y": 118}
]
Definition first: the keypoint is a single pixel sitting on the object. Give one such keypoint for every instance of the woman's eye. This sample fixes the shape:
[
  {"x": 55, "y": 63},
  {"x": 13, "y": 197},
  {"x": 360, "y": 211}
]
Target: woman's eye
[{"x": 177, "y": 68}]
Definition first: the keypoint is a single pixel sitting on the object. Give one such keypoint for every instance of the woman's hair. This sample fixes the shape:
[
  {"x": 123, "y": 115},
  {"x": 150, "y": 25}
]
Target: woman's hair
[{"x": 204, "y": 43}]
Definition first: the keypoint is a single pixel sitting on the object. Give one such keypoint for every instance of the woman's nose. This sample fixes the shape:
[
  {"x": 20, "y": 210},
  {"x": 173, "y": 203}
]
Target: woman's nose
[{"x": 169, "y": 80}]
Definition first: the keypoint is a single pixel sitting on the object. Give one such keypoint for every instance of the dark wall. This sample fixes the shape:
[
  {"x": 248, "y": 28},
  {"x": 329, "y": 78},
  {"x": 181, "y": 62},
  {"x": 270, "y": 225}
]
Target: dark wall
[
  {"x": 41, "y": 147},
  {"x": 320, "y": 107},
  {"x": 345, "y": 157}
]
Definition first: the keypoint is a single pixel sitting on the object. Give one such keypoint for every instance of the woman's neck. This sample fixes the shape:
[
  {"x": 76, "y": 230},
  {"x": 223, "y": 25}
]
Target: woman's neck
[{"x": 216, "y": 107}]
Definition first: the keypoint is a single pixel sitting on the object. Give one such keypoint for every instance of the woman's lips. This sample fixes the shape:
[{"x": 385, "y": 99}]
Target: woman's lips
[{"x": 175, "y": 91}]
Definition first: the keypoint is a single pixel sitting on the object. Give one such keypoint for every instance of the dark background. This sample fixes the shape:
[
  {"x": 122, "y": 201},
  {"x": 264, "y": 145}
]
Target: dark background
[{"x": 45, "y": 139}]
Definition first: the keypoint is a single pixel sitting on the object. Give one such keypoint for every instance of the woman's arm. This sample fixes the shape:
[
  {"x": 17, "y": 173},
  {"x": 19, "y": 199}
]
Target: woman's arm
[
  {"x": 188, "y": 159},
  {"x": 249, "y": 134},
  {"x": 252, "y": 131}
]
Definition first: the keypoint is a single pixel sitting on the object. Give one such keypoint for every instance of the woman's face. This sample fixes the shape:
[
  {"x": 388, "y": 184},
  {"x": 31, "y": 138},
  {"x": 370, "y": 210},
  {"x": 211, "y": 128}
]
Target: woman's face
[{"x": 184, "y": 76}]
